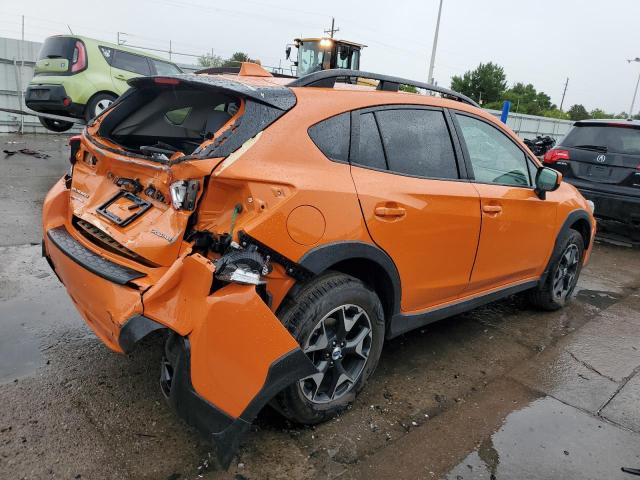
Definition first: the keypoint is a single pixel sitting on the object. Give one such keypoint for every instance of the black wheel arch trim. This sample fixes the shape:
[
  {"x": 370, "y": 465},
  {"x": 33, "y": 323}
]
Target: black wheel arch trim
[
  {"x": 223, "y": 430},
  {"x": 572, "y": 218},
  {"x": 135, "y": 329},
  {"x": 325, "y": 256}
]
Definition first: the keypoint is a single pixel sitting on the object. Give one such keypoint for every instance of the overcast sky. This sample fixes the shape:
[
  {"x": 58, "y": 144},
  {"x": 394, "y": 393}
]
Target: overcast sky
[{"x": 541, "y": 42}]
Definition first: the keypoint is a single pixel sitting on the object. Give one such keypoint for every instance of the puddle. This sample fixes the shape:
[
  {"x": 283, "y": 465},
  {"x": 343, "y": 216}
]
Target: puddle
[
  {"x": 598, "y": 298},
  {"x": 548, "y": 439},
  {"x": 19, "y": 350}
]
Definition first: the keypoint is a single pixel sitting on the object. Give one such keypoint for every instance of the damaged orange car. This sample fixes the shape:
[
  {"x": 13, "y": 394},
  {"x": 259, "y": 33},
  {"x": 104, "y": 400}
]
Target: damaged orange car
[{"x": 280, "y": 230}]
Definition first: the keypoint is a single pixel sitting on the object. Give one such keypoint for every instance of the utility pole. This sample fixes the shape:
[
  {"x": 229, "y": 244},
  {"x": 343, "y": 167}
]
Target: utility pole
[
  {"x": 635, "y": 92},
  {"x": 435, "y": 46},
  {"x": 564, "y": 93},
  {"x": 169, "y": 49},
  {"x": 333, "y": 29},
  {"x": 20, "y": 77}
]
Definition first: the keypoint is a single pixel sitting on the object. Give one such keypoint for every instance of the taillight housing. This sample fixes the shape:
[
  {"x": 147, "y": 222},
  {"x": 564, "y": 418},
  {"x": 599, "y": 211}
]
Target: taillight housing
[
  {"x": 79, "y": 60},
  {"x": 556, "y": 154}
]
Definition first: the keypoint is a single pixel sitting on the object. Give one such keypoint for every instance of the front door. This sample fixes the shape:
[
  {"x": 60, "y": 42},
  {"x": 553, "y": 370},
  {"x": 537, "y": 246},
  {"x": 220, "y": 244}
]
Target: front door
[
  {"x": 517, "y": 226},
  {"x": 415, "y": 206}
]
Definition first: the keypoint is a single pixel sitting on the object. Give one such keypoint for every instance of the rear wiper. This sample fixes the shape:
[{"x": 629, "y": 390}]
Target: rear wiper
[{"x": 597, "y": 148}]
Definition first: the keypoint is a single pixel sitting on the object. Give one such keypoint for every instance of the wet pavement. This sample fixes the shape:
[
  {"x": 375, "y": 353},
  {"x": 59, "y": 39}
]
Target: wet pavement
[{"x": 502, "y": 392}]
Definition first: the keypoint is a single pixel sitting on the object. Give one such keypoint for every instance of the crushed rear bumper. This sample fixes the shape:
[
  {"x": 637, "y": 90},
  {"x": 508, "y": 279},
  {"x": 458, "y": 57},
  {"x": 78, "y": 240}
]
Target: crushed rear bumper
[{"x": 227, "y": 354}]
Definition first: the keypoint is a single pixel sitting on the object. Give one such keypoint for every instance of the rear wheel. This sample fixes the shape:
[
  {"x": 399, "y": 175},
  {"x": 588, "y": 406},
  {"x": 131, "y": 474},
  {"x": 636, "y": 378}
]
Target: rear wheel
[
  {"x": 98, "y": 104},
  {"x": 339, "y": 323},
  {"x": 564, "y": 271},
  {"x": 55, "y": 125}
]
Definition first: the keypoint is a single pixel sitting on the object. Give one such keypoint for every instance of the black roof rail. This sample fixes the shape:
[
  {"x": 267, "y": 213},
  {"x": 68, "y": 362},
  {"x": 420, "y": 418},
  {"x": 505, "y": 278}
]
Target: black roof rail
[
  {"x": 234, "y": 71},
  {"x": 327, "y": 79}
]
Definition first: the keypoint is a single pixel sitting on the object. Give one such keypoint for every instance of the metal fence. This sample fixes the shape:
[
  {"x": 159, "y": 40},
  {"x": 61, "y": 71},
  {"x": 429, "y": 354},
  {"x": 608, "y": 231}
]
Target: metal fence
[{"x": 529, "y": 126}]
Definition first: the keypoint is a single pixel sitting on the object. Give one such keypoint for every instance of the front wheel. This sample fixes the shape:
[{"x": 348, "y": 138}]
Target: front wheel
[
  {"x": 339, "y": 323},
  {"x": 55, "y": 125},
  {"x": 564, "y": 271}
]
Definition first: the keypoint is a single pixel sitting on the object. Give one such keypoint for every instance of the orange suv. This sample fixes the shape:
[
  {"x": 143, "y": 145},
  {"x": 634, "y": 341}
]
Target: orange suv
[{"x": 279, "y": 231}]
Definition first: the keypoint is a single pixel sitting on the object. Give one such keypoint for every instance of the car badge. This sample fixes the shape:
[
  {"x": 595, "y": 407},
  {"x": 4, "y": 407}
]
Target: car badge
[{"x": 601, "y": 158}]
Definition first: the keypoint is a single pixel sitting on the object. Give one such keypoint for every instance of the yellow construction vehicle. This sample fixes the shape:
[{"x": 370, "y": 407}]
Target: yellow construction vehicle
[{"x": 315, "y": 54}]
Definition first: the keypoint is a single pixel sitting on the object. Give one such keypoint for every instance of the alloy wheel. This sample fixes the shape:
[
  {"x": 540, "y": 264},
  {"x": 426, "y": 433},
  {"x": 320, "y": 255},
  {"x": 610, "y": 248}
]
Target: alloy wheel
[
  {"x": 565, "y": 276},
  {"x": 101, "y": 106},
  {"x": 339, "y": 347}
]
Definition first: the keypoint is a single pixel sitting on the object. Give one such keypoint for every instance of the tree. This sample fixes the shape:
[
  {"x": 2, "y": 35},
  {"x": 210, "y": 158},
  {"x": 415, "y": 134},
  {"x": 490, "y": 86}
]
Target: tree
[
  {"x": 210, "y": 60},
  {"x": 599, "y": 113},
  {"x": 525, "y": 99},
  {"x": 578, "y": 112},
  {"x": 408, "y": 88},
  {"x": 237, "y": 58},
  {"x": 487, "y": 81}
]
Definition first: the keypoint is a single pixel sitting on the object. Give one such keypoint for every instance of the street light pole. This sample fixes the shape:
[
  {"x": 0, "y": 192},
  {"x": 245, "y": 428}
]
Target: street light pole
[
  {"x": 635, "y": 92},
  {"x": 430, "y": 78}
]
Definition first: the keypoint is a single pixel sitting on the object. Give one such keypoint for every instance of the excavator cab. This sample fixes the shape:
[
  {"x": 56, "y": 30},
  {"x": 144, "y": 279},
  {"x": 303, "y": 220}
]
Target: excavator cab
[{"x": 315, "y": 54}]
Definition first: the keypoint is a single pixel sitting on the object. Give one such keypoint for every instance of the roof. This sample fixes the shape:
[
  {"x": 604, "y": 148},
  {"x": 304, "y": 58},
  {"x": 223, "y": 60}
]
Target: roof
[
  {"x": 124, "y": 48},
  {"x": 610, "y": 121},
  {"x": 317, "y": 39}
]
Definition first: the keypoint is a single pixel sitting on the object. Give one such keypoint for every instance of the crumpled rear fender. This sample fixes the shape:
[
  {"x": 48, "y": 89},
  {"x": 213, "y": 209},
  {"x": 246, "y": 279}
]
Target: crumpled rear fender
[{"x": 229, "y": 354}]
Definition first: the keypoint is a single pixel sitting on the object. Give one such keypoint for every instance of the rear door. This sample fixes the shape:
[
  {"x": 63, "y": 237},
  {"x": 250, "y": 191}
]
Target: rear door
[
  {"x": 517, "y": 227},
  {"x": 602, "y": 156},
  {"x": 414, "y": 202},
  {"x": 124, "y": 66}
]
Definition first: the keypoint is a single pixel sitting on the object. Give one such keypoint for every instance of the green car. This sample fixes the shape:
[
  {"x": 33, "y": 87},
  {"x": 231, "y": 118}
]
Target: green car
[{"x": 79, "y": 77}]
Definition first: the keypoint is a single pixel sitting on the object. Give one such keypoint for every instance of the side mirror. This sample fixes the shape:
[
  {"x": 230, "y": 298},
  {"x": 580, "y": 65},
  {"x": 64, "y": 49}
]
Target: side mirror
[
  {"x": 287, "y": 51},
  {"x": 547, "y": 180}
]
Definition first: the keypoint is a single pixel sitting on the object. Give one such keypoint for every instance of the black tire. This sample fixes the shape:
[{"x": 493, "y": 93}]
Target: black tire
[
  {"x": 55, "y": 125},
  {"x": 303, "y": 314},
  {"x": 99, "y": 99},
  {"x": 546, "y": 297}
]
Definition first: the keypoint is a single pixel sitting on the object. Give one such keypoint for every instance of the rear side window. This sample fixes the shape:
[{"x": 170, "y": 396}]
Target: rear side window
[
  {"x": 417, "y": 142},
  {"x": 371, "y": 153},
  {"x": 131, "y": 63},
  {"x": 165, "y": 68},
  {"x": 107, "y": 53},
  {"x": 332, "y": 136},
  {"x": 624, "y": 140}
]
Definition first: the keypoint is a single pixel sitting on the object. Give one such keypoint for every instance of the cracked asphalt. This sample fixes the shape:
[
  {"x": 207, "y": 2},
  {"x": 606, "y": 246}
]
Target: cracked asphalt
[{"x": 502, "y": 392}]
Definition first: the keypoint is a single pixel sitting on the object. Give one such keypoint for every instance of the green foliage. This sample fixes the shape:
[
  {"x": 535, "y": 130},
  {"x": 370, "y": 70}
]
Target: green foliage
[
  {"x": 578, "y": 112},
  {"x": 487, "y": 80},
  {"x": 210, "y": 60},
  {"x": 237, "y": 58},
  {"x": 408, "y": 88},
  {"x": 525, "y": 99},
  {"x": 556, "y": 113},
  {"x": 599, "y": 113}
]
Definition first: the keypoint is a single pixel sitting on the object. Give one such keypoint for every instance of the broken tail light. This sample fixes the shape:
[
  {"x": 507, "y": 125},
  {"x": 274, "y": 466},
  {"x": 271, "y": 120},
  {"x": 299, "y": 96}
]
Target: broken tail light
[
  {"x": 556, "y": 154},
  {"x": 74, "y": 146}
]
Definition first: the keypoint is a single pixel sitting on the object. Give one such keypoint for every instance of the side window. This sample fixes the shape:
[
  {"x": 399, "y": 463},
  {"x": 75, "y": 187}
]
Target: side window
[
  {"x": 131, "y": 63},
  {"x": 332, "y": 136},
  {"x": 371, "y": 153},
  {"x": 165, "y": 68},
  {"x": 417, "y": 142},
  {"x": 107, "y": 53},
  {"x": 494, "y": 157}
]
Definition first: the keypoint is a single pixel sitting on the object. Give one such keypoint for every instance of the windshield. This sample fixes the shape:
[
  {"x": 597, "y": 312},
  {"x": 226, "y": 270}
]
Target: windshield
[
  {"x": 311, "y": 57},
  {"x": 606, "y": 138}
]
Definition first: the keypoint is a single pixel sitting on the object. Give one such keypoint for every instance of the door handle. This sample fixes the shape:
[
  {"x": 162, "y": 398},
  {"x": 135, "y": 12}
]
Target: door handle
[
  {"x": 120, "y": 77},
  {"x": 390, "y": 212},
  {"x": 492, "y": 209}
]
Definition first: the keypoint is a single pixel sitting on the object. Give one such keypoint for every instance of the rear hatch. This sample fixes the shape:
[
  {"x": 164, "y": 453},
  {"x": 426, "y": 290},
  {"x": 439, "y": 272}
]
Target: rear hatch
[
  {"x": 143, "y": 165},
  {"x": 600, "y": 156},
  {"x": 61, "y": 55}
]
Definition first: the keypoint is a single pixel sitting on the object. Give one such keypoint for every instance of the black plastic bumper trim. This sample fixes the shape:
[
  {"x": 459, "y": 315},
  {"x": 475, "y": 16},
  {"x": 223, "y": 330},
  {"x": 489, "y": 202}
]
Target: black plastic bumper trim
[
  {"x": 93, "y": 262},
  {"x": 224, "y": 431},
  {"x": 135, "y": 330}
]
